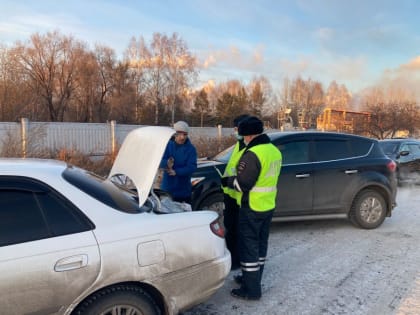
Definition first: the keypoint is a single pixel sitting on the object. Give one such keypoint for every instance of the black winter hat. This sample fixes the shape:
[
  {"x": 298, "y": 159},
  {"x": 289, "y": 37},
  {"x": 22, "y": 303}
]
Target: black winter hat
[
  {"x": 250, "y": 126},
  {"x": 238, "y": 119}
]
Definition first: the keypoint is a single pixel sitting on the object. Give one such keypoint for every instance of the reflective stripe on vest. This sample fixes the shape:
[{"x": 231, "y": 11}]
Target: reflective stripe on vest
[
  {"x": 262, "y": 197},
  {"x": 230, "y": 170},
  {"x": 263, "y": 189}
]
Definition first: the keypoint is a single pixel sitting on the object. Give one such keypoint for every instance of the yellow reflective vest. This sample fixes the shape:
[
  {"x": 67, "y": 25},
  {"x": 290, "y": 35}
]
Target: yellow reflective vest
[
  {"x": 230, "y": 170},
  {"x": 262, "y": 197}
]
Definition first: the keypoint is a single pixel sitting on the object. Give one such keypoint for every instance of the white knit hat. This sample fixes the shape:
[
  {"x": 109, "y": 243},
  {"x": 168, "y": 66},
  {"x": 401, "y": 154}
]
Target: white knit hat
[{"x": 181, "y": 126}]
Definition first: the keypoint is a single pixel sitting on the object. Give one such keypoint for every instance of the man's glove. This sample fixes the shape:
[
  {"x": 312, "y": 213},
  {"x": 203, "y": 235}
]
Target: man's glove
[
  {"x": 224, "y": 181},
  {"x": 228, "y": 181}
]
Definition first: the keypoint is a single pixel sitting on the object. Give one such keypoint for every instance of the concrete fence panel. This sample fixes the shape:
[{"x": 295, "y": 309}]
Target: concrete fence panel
[{"x": 93, "y": 139}]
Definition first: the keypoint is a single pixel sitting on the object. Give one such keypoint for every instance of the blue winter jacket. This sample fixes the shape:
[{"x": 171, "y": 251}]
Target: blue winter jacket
[{"x": 185, "y": 163}]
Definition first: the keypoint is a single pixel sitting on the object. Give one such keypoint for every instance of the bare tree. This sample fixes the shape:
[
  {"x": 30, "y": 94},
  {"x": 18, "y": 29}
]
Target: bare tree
[
  {"x": 257, "y": 98},
  {"x": 167, "y": 68},
  {"x": 86, "y": 92},
  {"x": 392, "y": 111},
  {"x": 107, "y": 63},
  {"x": 15, "y": 99},
  {"x": 95, "y": 83},
  {"x": 201, "y": 106},
  {"x": 49, "y": 62},
  {"x": 337, "y": 96},
  {"x": 315, "y": 103},
  {"x": 181, "y": 70},
  {"x": 306, "y": 101}
]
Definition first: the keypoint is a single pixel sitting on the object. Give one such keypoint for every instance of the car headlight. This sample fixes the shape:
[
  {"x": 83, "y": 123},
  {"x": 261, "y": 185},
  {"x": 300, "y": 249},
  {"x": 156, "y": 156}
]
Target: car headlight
[{"x": 196, "y": 180}]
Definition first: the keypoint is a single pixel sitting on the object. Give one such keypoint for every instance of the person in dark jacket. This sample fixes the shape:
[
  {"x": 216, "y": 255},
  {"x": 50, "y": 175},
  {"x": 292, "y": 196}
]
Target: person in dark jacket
[
  {"x": 257, "y": 173},
  {"x": 230, "y": 197},
  {"x": 179, "y": 162}
]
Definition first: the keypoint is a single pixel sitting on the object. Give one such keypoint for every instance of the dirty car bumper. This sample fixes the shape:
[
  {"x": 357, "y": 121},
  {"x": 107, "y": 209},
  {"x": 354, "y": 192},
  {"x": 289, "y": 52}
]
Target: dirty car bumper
[{"x": 191, "y": 286}]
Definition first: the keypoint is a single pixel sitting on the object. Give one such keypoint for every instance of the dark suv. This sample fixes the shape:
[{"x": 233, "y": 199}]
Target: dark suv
[
  {"x": 406, "y": 153},
  {"x": 324, "y": 175}
]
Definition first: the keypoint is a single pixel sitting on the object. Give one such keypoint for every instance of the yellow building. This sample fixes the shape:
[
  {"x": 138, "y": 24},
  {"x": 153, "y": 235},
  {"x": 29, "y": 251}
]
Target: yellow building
[{"x": 341, "y": 120}]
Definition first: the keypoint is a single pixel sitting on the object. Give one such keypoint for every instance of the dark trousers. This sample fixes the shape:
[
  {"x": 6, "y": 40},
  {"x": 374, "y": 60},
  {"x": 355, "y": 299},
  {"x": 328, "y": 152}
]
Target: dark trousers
[
  {"x": 254, "y": 229},
  {"x": 231, "y": 213}
]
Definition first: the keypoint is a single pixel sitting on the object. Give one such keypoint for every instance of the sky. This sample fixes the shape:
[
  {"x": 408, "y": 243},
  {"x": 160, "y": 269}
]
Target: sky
[{"x": 358, "y": 43}]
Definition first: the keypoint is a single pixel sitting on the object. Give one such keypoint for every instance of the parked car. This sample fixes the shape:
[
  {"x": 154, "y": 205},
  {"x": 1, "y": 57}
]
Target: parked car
[
  {"x": 406, "y": 153},
  {"x": 73, "y": 243},
  {"x": 324, "y": 175}
]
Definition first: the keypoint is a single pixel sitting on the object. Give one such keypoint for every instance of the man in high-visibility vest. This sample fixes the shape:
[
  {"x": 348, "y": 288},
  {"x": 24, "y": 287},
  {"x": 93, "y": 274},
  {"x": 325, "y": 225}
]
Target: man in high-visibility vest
[
  {"x": 258, "y": 171},
  {"x": 230, "y": 197}
]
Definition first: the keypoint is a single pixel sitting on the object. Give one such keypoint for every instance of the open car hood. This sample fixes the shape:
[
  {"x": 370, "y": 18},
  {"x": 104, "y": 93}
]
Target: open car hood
[{"x": 139, "y": 157}]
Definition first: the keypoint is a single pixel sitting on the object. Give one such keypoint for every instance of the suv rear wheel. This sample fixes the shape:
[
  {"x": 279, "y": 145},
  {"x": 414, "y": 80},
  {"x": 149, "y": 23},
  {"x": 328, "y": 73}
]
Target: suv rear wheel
[{"x": 368, "y": 210}]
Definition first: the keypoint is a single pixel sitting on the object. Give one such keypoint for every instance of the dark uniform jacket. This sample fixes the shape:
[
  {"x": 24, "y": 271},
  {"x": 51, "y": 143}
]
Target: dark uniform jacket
[{"x": 248, "y": 170}]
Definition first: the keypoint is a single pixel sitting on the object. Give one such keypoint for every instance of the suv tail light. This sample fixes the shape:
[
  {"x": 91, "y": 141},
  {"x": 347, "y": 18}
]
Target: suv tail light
[
  {"x": 217, "y": 228},
  {"x": 392, "y": 166}
]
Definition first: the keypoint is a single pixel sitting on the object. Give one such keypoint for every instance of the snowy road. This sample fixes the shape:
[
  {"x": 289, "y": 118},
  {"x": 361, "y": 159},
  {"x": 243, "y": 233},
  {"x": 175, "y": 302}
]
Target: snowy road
[{"x": 332, "y": 267}]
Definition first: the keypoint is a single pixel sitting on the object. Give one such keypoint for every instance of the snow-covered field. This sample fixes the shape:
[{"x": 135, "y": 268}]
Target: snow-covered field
[{"x": 332, "y": 267}]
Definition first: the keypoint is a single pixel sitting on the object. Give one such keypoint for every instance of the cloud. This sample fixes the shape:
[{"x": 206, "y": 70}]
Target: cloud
[
  {"x": 233, "y": 57},
  {"x": 346, "y": 70},
  {"x": 406, "y": 72},
  {"x": 406, "y": 77},
  {"x": 412, "y": 65},
  {"x": 324, "y": 34}
]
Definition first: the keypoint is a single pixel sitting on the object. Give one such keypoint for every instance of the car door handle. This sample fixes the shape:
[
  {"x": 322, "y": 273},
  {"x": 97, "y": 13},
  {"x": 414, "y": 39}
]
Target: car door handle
[
  {"x": 302, "y": 175},
  {"x": 71, "y": 263},
  {"x": 350, "y": 171}
]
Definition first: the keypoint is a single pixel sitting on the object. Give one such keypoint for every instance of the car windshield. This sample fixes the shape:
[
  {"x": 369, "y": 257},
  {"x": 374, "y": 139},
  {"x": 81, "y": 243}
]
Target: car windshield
[
  {"x": 224, "y": 155},
  {"x": 103, "y": 190},
  {"x": 389, "y": 147}
]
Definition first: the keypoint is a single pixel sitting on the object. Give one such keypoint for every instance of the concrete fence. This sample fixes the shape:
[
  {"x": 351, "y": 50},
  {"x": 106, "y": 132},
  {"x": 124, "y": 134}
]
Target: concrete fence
[{"x": 95, "y": 139}]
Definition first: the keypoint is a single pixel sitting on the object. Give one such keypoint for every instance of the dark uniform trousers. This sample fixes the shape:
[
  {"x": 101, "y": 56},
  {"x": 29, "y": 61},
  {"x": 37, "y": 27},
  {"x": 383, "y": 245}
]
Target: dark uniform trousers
[
  {"x": 253, "y": 243},
  {"x": 230, "y": 219}
]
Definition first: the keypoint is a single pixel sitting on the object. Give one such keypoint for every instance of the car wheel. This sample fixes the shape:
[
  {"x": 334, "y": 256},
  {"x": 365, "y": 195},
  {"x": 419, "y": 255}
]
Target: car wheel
[
  {"x": 119, "y": 300},
  {"x": 368, "y": 210},
  {"x": 213, "y": 202}
]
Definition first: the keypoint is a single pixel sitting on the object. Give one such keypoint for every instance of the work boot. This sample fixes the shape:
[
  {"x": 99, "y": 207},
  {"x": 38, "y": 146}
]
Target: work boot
[
  {"x": 238, "y": 279},
  {"x": 242, "y": 294},
  {"x": 235, "y": 265},
  {"x": 261, "y": 271},
  {"x": 251, "y": 283}
]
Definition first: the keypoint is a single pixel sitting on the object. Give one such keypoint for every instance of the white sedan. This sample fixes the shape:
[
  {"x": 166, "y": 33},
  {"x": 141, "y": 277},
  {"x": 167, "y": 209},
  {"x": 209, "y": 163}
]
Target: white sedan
[{"x": 75, "y": 243}]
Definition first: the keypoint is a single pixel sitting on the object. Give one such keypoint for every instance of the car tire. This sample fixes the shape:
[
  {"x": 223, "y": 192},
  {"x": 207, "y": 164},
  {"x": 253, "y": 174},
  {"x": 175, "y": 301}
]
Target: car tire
[
  {"x": 368, "y": 210},
  {"x": 213, "y": 202},
  {"x": 118, "y": 300}
]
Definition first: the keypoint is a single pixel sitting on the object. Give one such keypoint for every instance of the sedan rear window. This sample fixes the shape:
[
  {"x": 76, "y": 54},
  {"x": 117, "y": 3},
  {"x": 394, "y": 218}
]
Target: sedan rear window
[{"x": 103, "y": 190}]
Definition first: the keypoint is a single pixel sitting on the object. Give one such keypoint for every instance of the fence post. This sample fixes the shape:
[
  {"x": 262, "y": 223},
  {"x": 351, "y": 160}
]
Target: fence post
[
  {"x": 113, "y": 125},
  {"x": 24, "y": 125},
  {"x": 219, "y": 136},
  {"x": 219, "y": 131}
]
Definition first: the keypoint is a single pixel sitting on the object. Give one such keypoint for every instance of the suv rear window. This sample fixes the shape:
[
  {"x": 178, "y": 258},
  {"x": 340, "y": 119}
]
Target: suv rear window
[
  {"x": 103, "y": 190},
  {"x": 336, "y": 149}
]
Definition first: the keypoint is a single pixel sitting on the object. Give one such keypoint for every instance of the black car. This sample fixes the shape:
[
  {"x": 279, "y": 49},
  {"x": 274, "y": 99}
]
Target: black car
[
  {"x": 406, "y": 153},
  {"x": 324, "y": 175}
]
